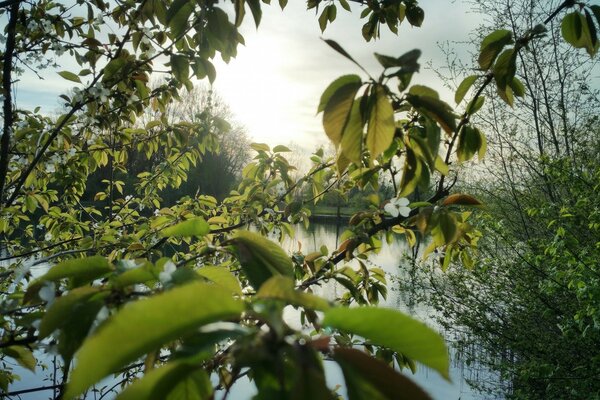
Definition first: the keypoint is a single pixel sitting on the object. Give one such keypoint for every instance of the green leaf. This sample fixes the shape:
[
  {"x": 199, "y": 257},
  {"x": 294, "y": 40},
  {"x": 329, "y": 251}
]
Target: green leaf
[
  {"x": 196, "y": 226},
  {"x": 221, "y": 276},
  {"x": 22, "y": 355},
  {"x": 352, "y": 138},
  {"x": 470, "y": 141},
  {"x": 381, "y": 129},
  {"x": 334, "y": 86},
  {"x": 411, "y": 173},
  {"x": 180, "y": 66},
  {"x": 517, "y": 87},
  {"x": 475, "y": 105},
  {"x": 240, "y": 11},
  {"x": 260, "y": 147},
  {"x": 435, "y": 109},
  {"x": 577, "y": 30},
  {"x": 408, "y": 61},
  {"x": 282, "y": 288},
  {"x": 62, "y": 310},
  {"x": 505, "y": 68},
  {"x": 161, "y": 382},
  {"x": 196, "y": 386},
  {"x": 394, "y": 330},
  {"x": 177, "y": 16},
  {"x": 337, "y": 111},
  {"x": 464, "y": 87},
  {"x": 334, "y": 45},
  {"x": 492, "y": 45},
  {"x": 78, "y": 270},
  {"x": 70, "y": 76},
  {"x": 323, "y": 19},
  {"x": 369, "y": 378},
  {"x": 415, "y": 15},
  {"x": 256, "y": 11},
  {"x": 261, "y": 258},
  {"x": 146, "y": 325},
  {"x": 281, "y": 149}
]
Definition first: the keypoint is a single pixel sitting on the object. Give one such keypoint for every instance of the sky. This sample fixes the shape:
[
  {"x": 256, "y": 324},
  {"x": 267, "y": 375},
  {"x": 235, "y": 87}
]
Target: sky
[{"x": 274, "y": 84}]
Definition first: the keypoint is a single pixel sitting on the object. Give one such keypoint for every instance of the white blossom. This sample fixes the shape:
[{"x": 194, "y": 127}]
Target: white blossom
[
  {"x": 48, "y": 236},
  {"x": 398, "y": 206},
  {"x": 48, "y": 293},
  {"x": 167, "y": 275}
]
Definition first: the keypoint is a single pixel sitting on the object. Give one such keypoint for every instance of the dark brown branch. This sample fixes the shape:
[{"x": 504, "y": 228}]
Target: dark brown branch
[{"x": 6, "y": 88}]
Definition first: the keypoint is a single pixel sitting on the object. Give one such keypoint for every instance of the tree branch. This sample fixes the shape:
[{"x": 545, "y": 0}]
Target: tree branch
[{"x": 6, "y": 88}]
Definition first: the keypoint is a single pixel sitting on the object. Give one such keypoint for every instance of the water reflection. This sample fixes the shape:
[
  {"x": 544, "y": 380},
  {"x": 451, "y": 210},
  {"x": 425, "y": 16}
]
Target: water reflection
[{"x": 393, "y": 259}]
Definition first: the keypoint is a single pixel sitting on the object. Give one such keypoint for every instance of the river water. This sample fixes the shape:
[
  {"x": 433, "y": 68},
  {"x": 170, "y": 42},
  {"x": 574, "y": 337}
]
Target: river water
[{"x": 392, "y": 258}]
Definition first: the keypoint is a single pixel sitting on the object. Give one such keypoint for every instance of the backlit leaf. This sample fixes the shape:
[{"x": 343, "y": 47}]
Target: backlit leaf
[
  {"x": 334, "y": 86},
  {"x": 394, "y": 330},
  {"x": 196, "y": 226},
  {"x": 282, "y": 288},
  {"x": 492, "y": 45},
  {"x": 70, "y": 76},
  {"x": 261, "y": 258},
  {"x": 381, "y": 128},
  {"x": 464, "y": 87},
  {"x": 144, "y": 326},
  {"x": 337, "y": 111}
]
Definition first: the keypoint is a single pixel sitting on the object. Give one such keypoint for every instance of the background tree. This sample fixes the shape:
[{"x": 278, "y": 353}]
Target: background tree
[{"x": 523, "y": 305}]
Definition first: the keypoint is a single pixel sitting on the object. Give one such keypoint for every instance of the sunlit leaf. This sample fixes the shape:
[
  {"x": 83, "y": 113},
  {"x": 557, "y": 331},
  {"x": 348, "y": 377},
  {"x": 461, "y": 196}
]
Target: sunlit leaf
[
  {"x": 196, "y": 226},
  {"x": 381, "y": 128},
  {"x": 145, "y": 325},
  {"x": 352, "y": 138},
  {"x": 261, "y": 258},
  {"x": 22, "y": 355},
  {"x": 221, "y": 276},
  {"x": 159, "y": 382},
  {"x": 394, "y": 330},
  {"x": 282, "y": 288},
  {"x": 337, "y": 111}
]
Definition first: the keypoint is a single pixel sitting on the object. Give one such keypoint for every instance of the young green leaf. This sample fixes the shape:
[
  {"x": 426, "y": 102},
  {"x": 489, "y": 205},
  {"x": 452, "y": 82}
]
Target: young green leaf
[
  {"x": 144, "y": 326},
  {"x": 352, "y": 137},
  {"x": 334, "y": 86},
  {"x": 161, "y": 382},
  {"x": 381, "y": 128},
  {"x": 492, "y": 45},
  {"x": 177, "y": 16},
  {"x": 192, "y": 227},
  {"x": 470, "y": 142},
  {"x": 221, "y": 276},
  {"x": 464, "y": 87},
  {"x": 70, "y": 76},
  {"x": 22, "y": 355},
  {"x": 337, "y": 111},
  {"x": 261, "y": 258},
  {"x": 394, "y": 330},
  {"x": 282, "y": 288},
  {"x": 78, "y": 270}
]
